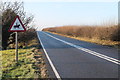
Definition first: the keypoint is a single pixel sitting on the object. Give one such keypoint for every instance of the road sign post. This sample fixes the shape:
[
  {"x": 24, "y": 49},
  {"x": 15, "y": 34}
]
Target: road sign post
[
  {"x": 16, "y": 47},
  {"x": 17, "y": 26}
]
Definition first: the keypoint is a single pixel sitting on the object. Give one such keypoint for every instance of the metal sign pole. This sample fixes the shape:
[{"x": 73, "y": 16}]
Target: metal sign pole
[{"x": 16, "y": 48}]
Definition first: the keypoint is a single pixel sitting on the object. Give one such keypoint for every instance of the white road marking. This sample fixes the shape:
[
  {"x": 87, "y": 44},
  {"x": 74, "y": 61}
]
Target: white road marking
[
  {"x": 53, "y": 67},
  {"x": 88, "y": 51}
]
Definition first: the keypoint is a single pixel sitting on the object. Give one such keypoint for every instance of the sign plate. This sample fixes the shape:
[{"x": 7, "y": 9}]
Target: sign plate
[{"x": 17, "y": 25}]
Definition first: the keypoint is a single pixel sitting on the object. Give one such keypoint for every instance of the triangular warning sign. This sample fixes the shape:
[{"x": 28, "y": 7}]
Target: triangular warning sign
[{"x": 17, "y": 26}]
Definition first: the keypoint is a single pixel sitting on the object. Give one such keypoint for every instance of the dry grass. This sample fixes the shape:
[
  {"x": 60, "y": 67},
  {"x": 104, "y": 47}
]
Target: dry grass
[{"x": 95, "y": 34}]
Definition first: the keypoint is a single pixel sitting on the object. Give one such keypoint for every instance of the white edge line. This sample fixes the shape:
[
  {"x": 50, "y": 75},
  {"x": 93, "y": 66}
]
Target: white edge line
[
  {"x": 88, "y": 51},
  {"x": 53, "y": 67}
]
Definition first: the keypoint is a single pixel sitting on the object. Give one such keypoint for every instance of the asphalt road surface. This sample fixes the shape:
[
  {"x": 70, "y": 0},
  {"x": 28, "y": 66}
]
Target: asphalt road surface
[{"x": 70, "y": 58}]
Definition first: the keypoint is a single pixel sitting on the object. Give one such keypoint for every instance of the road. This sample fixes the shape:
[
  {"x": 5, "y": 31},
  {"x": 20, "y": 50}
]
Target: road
[{"x": 70, "y": 58}]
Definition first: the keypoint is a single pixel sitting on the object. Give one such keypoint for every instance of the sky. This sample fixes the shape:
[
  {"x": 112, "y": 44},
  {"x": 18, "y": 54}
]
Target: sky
[{"x": 52, "y": 13}]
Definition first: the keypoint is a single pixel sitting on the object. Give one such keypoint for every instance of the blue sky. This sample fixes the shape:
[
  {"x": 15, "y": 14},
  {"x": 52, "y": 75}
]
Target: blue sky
[{"x": 50, "y": 14}]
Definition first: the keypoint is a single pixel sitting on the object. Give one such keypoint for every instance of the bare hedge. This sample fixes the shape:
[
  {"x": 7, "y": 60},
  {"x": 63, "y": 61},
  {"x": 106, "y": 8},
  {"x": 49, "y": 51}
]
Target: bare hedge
[{"x": 98, "y": 32}]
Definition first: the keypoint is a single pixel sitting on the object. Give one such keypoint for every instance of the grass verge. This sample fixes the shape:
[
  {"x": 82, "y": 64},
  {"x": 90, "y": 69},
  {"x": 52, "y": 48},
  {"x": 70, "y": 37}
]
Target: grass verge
[
  {"x": 30, "y": 62},
  {"x": 24, "y": 67}
]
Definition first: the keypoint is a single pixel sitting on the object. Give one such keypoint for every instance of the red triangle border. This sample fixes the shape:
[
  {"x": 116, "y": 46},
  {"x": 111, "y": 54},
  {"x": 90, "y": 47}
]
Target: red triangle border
[{"x": 17, "y": 30}]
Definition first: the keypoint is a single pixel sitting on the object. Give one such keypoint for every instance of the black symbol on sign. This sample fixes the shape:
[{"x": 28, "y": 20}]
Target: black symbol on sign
[{"x": 16, "y": 26}]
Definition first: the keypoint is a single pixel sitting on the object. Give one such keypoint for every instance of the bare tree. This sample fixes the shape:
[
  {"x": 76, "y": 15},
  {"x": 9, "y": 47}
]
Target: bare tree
[
  {"x": 9, "y": 11},
  {"x": 18, "y": 9}
]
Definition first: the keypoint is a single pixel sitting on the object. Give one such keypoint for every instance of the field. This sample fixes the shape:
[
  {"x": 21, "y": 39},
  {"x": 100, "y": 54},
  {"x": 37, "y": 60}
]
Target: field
[{"x": 104, "y": 35}]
